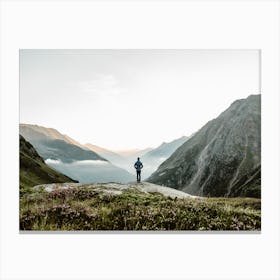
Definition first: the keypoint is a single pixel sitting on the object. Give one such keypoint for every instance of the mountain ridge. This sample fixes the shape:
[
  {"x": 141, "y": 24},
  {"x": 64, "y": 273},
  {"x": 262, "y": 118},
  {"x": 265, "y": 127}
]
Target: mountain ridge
[
  {"x": 213, "y": 160},
  {"x": 50, "y": 143},
  {"x": 61, "y": 154}
]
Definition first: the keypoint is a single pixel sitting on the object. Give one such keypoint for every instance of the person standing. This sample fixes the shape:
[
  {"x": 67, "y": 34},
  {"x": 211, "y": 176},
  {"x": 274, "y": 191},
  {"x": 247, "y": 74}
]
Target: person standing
[{"x": 138, "y": 166}]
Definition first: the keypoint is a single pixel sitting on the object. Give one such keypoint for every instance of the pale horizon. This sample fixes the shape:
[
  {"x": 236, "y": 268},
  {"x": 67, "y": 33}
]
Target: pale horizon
[{"x": 132, "y": 99}]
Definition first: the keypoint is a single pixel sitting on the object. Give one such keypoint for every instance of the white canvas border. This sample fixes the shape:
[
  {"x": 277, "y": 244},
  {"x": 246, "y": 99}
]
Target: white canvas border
[{"x": 157, "y": 24}]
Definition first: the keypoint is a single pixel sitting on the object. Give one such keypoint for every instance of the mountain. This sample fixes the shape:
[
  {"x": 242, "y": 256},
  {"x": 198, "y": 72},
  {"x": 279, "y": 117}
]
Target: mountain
[
  {"x": 53, "y": 145},
  {"x": 33, "y": 170},
  {"x": 133, "y": 153},
  {"x": 71, "y": 158},
  {"x": 127, "y": 158},
  {"x": 92, "y": 171},
  {"x": 152, "y": 159},
  {"x": 166, "y": 149},
  {"x": 107, "y": 154},
  {"x": 249, "y": 184},
  {"x": 63, "y": 151},
  {"x": 36, "y": 132},
  {"x": 222, "y": 159}
]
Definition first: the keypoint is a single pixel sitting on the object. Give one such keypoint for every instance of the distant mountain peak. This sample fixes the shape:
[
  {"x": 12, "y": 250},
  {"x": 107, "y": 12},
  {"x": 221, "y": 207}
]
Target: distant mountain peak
[{"x": 50, "y": 143}]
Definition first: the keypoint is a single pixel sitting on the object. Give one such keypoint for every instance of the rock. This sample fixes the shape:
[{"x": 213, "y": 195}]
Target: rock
[{"x": 118, "y": 188}]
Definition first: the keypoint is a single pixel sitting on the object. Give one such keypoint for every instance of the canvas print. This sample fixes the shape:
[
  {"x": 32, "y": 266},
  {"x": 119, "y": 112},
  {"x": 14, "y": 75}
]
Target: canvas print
[{"x": 140, "y": 140}]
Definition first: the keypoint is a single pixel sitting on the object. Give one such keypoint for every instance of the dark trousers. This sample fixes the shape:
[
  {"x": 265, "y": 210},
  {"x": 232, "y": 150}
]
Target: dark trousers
[{"x": 138, "y": 175}]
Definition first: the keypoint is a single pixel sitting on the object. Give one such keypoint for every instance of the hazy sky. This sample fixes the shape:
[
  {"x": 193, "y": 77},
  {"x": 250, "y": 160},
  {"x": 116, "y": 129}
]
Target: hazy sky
[{"x": 122, "y": 99}]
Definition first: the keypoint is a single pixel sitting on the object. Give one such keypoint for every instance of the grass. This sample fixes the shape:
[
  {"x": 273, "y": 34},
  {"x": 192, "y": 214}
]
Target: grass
[
  {"x": 91, "y": 209},
  {"x": 34, "y": 171}
]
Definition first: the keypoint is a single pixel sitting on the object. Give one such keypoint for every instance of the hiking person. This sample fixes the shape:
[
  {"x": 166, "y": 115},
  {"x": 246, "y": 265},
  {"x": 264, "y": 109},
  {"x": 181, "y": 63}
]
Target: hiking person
[{"x": 138, "y": 166}]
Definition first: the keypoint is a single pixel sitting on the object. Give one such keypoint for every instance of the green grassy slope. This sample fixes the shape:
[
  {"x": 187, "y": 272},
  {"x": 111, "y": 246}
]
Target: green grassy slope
[
  {"x": 94, "y": 209},
  {"x": 33, "y": 170}
]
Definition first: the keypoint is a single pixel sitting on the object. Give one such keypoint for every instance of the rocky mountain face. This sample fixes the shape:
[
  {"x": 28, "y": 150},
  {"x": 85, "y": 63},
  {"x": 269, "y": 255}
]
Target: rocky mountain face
[
  {"x": 248, "y": 185},
  {"x": 33, "y": 170},
  {"x": 222, "y": 159},
  {"x": 71, "y": 158}
]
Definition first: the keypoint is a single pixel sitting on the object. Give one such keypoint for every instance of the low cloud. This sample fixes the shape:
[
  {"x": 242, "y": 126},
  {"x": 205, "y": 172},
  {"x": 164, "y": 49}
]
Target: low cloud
[
  {"x": 52, "y": 161},
  {"x": 88, "y": 171},
  {"x": 88, "y": 162},
  {"x": 78, "y": 162}
]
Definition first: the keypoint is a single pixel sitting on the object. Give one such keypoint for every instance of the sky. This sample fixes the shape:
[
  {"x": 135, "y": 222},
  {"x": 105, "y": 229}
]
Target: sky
[{"x": 128, "y": 99}]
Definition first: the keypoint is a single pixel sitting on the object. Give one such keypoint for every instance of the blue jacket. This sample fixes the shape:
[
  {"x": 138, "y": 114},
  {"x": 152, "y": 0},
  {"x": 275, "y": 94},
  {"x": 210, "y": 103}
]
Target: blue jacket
[{"x": 138, "y": 165}]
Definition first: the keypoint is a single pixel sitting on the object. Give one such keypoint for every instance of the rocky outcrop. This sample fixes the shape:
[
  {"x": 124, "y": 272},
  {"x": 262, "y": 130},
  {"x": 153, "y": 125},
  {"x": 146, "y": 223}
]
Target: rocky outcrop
[{"x": 118, "y": 188}]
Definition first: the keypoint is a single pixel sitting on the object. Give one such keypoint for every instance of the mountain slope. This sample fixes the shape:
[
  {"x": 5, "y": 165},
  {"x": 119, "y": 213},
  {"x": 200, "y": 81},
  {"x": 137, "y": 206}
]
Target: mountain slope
[
  {"x": 166, "y": 149},
  {"x": 133, "y": 153},
  {"x": 215, "y": 161},
  {"x": 124, "y": 159},
  {"x": 151, "y": 158},
  {"x": 34, "y": 171},
  {"x": 92, "y": 171},
  {"x": 53, "y": 145},
  {"x": 155, "y": 157},
  {"x": 36, "y": 132},
  {"x": 248, "y": 185},
  {"x": 76, "y": 161},
  {"x": 107, "y": 154},
  {"x": 63, "y": 151}
]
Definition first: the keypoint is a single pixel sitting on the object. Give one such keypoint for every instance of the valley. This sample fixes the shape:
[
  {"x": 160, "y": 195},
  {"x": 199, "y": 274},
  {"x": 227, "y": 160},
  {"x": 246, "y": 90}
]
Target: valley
[{"x": 208, "y": 181}]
